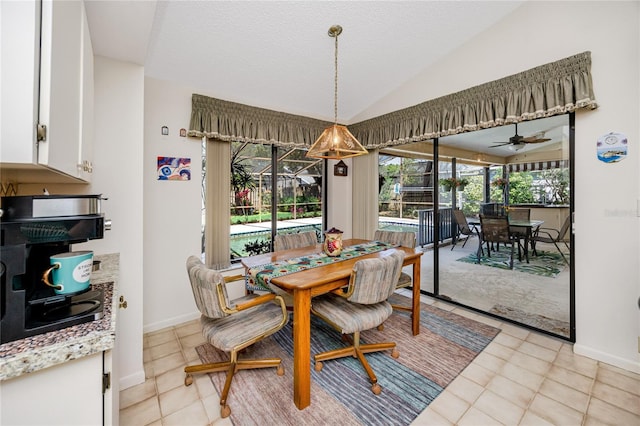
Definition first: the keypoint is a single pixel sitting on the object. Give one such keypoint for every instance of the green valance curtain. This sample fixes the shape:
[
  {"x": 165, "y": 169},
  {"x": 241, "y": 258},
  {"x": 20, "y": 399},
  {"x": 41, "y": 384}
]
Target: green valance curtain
[
  {"x": 550, "y": 89},
  {"x": 230, "y": 121}
]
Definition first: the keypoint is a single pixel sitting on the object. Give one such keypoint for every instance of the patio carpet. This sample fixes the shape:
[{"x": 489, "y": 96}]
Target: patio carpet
[{"x": 546, "y": 264}]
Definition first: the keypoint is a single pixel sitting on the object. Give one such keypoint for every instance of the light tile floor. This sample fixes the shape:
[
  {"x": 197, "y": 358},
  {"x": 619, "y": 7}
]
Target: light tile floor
[{"x": 521, "y": 378}]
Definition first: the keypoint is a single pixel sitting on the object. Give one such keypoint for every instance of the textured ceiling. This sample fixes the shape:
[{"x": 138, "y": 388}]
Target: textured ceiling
[{"x": 278, "y": 55}]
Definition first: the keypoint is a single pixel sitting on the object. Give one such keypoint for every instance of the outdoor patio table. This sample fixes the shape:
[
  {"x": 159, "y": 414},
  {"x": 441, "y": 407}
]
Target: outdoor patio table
[
  {"x": 319, "y": 280},
  {"x": 530, "y": 225}
]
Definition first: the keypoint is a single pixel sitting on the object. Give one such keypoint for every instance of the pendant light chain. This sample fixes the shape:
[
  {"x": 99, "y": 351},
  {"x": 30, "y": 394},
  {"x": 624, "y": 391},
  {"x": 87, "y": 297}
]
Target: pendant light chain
[{"x": 335, "y": 97}]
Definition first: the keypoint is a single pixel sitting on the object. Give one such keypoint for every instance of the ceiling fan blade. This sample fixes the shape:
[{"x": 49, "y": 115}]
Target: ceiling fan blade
[
  {"x": 533, "y": 139},
  {"x": 500, "y": 144}
]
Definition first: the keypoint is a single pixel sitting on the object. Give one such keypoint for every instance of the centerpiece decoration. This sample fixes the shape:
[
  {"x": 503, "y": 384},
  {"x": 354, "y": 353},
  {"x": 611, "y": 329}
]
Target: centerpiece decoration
[{"x": 332, "y": 245}]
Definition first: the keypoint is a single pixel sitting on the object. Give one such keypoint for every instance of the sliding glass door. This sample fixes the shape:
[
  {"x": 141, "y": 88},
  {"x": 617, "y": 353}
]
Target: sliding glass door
[{"x": 526, "y": 180}]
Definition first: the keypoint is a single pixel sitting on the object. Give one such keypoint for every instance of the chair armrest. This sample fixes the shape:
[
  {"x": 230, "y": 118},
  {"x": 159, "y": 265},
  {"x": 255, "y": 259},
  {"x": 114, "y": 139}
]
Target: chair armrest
[
  {"x": 264, "y": 298},
  {"x": 547, "y": 231}
]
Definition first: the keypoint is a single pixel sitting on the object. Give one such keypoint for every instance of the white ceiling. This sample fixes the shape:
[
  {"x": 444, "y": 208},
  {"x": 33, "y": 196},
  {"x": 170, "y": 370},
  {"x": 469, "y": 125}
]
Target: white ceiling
[{"x": 277, "y": 54}]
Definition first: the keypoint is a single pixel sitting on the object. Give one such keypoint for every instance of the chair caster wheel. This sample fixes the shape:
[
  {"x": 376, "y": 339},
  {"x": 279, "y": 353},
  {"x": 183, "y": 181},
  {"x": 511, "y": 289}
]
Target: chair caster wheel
[
  {"x": 280, "y": 370},
  {"x": 380, "y": 327},
  {"x": 376, "y": 389},
  {"x": 188, "y": 380},
  {"x": 395, "y": 353},
  {"x": 318, "y": 366},
  {"x": 225, "y": 411}
]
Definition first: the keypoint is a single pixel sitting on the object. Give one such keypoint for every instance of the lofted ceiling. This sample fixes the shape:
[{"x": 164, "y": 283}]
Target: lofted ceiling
[{"x": 278, "y": 55}]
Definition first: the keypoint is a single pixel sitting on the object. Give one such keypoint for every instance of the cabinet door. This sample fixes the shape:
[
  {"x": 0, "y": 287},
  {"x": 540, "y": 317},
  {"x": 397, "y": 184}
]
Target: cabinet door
[
  {"x": 85, "y": 152},
  {"x": 66, "y": 394},
  {"x": 19, "y": 40},
  {"x": 60, "y": 84}
]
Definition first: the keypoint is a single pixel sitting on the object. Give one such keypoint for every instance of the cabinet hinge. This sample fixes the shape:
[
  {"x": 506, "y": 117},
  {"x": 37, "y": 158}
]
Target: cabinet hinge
[
  {"x": 41, "y": 132},
  {"x": 106, "y": 381}
]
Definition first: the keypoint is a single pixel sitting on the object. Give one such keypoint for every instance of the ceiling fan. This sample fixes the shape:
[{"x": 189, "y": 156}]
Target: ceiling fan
[{"x": 517, "y": 142}]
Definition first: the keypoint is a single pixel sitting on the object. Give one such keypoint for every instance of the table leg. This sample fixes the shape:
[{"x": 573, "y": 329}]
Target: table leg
[
  {"x": 415, "y": 314},
  {"x": 302, "y": 348}
]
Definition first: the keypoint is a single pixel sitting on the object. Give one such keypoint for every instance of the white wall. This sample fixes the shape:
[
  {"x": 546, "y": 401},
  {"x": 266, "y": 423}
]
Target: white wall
[
  {"x": 606, "y": 219},
  {"x": 118, "y": 148},
  {"x": 172, "y": 222}
]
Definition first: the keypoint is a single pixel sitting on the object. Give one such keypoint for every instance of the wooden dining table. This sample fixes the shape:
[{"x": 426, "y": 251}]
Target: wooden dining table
[{"x": 306, "y": 284}]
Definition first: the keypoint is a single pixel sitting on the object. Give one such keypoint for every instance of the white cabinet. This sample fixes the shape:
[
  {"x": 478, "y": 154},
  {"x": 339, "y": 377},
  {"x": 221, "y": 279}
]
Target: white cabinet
[
  {"x": 47, "y": 80},
  {"x": 66, "y": 394}
]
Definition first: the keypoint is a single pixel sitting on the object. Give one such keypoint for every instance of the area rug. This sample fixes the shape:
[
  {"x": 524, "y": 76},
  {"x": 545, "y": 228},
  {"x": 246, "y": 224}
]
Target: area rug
[
  {"x": 341, "y": 392},
  {"x": 546, "y": 264},
  {"x": 534, "y": 320}
]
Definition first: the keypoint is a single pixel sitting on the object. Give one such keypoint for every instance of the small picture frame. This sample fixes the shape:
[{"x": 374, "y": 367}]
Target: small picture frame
[
  {"x": 165, "y": 130},
  {"x": 183, "y": 133},
  {"x": 340, "y": 169}
]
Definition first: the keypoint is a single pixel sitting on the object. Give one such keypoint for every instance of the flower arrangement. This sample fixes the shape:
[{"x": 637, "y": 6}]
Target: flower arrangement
[
  {"x": 499, "y": 182},
  {"x": 449, "y": 183}
]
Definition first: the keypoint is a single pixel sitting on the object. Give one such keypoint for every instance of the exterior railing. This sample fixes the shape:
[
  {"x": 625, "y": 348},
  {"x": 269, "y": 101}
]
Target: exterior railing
[{"x": 426, "y": 226}]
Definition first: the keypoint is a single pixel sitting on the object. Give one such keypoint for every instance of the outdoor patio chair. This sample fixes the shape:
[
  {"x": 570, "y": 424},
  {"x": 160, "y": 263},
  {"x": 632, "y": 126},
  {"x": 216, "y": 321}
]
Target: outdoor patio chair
[
  {"x": 520, "y": 231},
  {"x": 551, "y": 235},
  {"x": 463, "y": 228},
  {"x": 231, "y": 326},
  {"x": 496, "y": 230},
  {"x": 362, "y": 307}
]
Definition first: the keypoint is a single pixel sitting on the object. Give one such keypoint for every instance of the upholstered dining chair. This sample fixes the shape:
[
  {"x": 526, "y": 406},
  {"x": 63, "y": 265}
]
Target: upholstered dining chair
[
  {"x": 463, "y": 228},
  {"x": 231, "y": 326},
  {"x": 362, "y": 307},
  {"x": 496, "y": 230},
  {"x": 289, "y": 242},
  {"x": 404, "y": 239},
  {"x": 292, "y": 241}
]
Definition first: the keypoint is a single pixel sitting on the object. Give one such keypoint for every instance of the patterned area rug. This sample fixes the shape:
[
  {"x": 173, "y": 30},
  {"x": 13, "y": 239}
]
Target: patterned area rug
[
  {"x": 546, "y": 264},
  {"x": 341, "y": 392}
]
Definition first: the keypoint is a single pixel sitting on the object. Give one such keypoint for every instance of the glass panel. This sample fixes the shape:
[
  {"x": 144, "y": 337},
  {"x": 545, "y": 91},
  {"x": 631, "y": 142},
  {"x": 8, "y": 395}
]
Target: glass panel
[
  {"x": 299, "y": 192},
  {"x": 406, "y": 201},
  {"x": 506, "y": 175}
]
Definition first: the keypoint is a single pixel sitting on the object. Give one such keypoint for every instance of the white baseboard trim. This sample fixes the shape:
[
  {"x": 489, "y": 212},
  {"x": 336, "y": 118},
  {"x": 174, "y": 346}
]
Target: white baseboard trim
[
  {"x": 170, "y": 322},
  {"x": 131, "y": 380},
  {"x": 625, "y": 364}
]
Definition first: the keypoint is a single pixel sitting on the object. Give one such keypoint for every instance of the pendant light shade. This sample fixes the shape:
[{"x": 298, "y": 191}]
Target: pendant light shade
[{"x": 336, "y": 141}]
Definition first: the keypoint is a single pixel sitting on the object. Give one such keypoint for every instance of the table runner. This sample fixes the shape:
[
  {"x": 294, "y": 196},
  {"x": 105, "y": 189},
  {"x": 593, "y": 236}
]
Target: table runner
[{"x": 258, "y": 278}]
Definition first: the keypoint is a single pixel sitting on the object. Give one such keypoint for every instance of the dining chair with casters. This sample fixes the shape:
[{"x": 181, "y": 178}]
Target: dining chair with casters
[
  {"x": 290, "y": 242},
  {"x": 496, "y": 230},
  {"x": 404, "y": 239},
  {"x": 463, "y": 228},
  {"x": 232, "y": 325},
  {"x": 362, "y": 307},
  {"x": 551, "y": 235}
]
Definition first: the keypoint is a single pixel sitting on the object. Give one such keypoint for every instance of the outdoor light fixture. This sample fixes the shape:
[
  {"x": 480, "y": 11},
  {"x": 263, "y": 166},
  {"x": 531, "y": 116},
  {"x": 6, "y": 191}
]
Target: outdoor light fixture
[
  {"x": 517, "y": 146},
  {"x": 336, "y": 141}
]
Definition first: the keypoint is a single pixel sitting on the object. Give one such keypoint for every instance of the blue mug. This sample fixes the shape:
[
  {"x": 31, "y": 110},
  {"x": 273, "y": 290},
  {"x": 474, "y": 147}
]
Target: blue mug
[{"x": 70, "y": 272}]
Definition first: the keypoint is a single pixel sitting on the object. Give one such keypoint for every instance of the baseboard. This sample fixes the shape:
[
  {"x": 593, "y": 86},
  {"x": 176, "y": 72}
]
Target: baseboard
[
  {"x": 170, "y": 322},
  {"x": 625, "y": 364},
  {"x": 131, "y": 380}
]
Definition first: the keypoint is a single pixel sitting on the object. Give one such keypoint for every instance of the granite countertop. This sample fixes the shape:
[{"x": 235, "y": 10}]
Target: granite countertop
[{"x": 56, "y": 347}]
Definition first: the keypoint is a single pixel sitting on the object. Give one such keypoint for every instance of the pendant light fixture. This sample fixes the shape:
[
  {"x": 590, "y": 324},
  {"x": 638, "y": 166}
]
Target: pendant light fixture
[{"x": 336, "y": 141}]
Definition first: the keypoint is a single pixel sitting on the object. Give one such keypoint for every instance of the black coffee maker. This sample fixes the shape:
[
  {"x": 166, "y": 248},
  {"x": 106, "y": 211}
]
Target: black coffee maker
[{"x": 33, "y": 228}]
